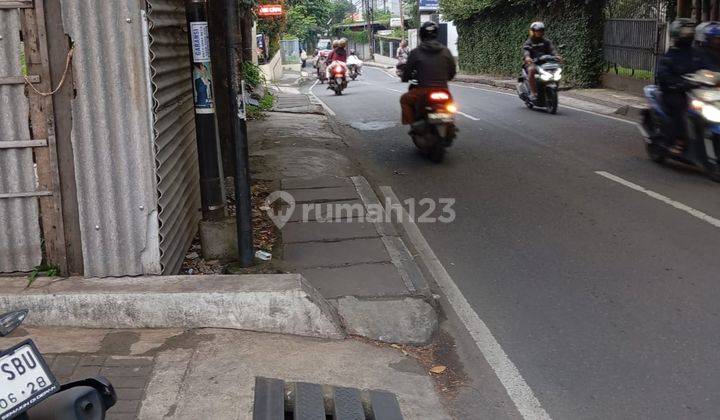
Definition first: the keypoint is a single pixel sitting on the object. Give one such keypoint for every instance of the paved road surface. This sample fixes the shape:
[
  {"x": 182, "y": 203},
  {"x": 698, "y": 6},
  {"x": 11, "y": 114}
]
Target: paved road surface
[{"x": 607, "y": 299}]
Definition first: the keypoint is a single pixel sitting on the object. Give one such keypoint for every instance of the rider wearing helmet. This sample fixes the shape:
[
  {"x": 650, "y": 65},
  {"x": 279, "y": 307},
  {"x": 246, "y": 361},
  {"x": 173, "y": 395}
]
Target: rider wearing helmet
[
  {"x": 707, "y": 44},
  {"x": 535, "y": 47},
  {"x": 338, "y": 56},
  {"x": 680, "y": 60},
  {"x": 431, "y": 64}
]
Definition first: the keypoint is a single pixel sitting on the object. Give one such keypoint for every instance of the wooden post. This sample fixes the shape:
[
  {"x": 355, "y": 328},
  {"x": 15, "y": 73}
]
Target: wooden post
[
  {"x": 42, "y": 121},
  {"x": 58, "y": 48},
  {"x": 683, "y": 8},
  {"x": 696, "y": 10}
]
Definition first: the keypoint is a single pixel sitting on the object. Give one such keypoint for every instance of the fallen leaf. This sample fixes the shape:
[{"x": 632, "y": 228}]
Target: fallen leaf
[
  {"x": 438, "y": 370},
  {"x": 395, "y": 346}
]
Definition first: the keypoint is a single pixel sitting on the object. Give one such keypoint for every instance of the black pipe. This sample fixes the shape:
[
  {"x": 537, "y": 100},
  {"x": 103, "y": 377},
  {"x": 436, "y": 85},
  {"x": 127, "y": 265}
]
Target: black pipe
[
  {"x": 212, "y": 200},
  {"x": 239, "y": 132}
]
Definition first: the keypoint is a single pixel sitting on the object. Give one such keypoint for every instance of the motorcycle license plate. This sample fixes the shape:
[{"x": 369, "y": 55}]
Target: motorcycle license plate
[
  {"x": 25, "y": 379},
  {"x": 441, "y": 116}
]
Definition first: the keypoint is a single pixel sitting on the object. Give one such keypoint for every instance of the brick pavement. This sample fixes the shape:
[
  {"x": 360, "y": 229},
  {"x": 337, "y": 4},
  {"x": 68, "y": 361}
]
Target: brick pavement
[{"x": 129, "y": 375}]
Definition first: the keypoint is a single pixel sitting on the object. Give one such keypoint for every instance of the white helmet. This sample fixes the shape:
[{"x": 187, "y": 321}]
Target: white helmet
[{"x": 537, "y": 26}]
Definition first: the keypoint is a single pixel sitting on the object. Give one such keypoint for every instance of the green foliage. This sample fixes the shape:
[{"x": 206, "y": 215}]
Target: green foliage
[
  {"x": 635, "y": 74},
  {"x": 255, "y": 112},
  {"x": 341, "y": 10},
  {"x": 300, "y": 23},
  {"x": 43, "y": 270},
  {"x": 633, "y": 9},
  {"x": 359, "y": 37},
  {"x": 412, "y": 10},
  {"x": 491, "y": 42},
  {"x": 253, "y": 76}
]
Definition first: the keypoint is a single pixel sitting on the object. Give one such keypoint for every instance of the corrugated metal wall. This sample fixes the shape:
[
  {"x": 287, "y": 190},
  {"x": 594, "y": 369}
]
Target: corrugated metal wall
[
  {"x": 112, "y": 138},
  {"x": 175, "y": 144},
  {"x": 19, "y": 217}
]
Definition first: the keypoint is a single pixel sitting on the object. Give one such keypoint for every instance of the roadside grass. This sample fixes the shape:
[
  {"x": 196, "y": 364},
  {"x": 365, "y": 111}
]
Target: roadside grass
[
  {"x": 635, "y": 74},
  {"x": 255, "y": 112},
  {"x": 43, "y": 270}
]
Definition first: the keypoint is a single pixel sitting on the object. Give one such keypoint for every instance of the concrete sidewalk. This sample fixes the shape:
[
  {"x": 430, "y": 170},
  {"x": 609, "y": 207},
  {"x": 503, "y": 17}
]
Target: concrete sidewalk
[
  {"x": 361, "y": 266},
  {"x": 210, "y": 373}
]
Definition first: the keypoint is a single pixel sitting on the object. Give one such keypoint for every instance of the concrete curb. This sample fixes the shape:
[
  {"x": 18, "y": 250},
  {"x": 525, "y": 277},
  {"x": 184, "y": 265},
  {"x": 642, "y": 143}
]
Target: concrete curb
[{"x": 283, "y": 304}]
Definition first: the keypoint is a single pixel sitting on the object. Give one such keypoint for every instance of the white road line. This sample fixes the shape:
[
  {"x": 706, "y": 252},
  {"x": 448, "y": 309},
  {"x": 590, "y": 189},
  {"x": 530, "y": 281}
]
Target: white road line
[
  {"x": 678, "y": 205},
  {"x": 468, "y": 116},
  {"x": 484, "y": 90},
  {"x": 382, "y": 71},
  {"x": 516, "y": 387},
  {"x": 395, "y": 90},
  {"x": 324, "y": 105},
  {"x": 597, "y": 114}
]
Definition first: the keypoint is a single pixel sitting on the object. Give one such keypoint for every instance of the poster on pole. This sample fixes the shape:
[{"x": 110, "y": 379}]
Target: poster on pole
[
  {"x": 202, "y": 68},
  {"x": 429, "y": 5}
]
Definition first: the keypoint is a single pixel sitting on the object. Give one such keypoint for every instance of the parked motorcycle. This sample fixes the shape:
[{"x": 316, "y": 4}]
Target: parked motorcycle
[
  {"x": 549, "y": 74},
  {"x": 703, "y": 120},
  {"x": 400, "y": 67},
  {"x": 434, "y": 129},
  {"x": 29, "y": 390},
  {"x": 338, "y": 77}
]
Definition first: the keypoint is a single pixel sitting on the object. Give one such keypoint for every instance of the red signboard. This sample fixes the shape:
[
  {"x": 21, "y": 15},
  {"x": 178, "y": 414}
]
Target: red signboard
[{"x": 269, "y": 10}]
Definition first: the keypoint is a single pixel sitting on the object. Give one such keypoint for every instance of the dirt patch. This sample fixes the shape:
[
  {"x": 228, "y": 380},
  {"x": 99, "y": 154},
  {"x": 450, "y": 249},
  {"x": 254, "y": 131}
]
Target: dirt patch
[
  {"x": 266, "y": 237},
  {"x": 439, "y": 356}
]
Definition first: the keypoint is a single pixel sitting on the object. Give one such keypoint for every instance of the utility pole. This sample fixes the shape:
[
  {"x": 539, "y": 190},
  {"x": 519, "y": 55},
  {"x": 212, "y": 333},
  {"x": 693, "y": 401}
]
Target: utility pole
[
  {"x": 213, "y": 202},
  {"x": 239, "y": 133},
  {"x": 402, "y": 19}
]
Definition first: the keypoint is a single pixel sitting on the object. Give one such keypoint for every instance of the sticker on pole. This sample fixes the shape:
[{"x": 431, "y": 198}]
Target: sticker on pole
[
  {"x": 200, "y": 41},
  {"x": 242, "y": 106}
]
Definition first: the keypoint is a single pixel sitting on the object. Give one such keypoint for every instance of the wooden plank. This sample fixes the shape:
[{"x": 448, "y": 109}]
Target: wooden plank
[
  {"x": 43, "y": 126},
  {"x": 269, "y": 403},
  {"x": 348, "y": 404},
  {"x": 26, "y": 194},
  {"x": 385, "y": 406},
  {"x": 16, "y": 4},
  {"x": 58, "y": 47},
  {"x": 18, "y": 80},
  {"x": 21, "y": 144},
  {"x": 309, "y": 402}
]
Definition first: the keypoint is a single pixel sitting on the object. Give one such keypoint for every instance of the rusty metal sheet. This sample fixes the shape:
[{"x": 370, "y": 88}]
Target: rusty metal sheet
[{"x": 20, "y": 241}]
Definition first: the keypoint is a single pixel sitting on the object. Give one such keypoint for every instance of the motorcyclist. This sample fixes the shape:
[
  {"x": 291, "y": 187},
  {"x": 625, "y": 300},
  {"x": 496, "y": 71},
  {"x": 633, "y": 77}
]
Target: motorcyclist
[
  {"x": 707, "y": 39},
  {"x": 681, "y": 59},
  {"x": 353, "y": 59},
  {"x": 535, "y": 47},
  {"x": 403, "y": 52},
  {"x": 338, "y": 56},
  {"x": 431, "y": 64}
]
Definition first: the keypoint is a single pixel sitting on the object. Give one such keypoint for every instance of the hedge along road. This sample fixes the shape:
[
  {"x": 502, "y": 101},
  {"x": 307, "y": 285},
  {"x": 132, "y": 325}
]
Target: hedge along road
[{"x": 603, "y": 295}]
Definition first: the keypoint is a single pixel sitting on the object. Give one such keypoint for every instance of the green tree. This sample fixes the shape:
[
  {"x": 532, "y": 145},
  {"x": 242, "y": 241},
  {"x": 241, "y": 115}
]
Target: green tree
[{"x": 341, "y": 9}]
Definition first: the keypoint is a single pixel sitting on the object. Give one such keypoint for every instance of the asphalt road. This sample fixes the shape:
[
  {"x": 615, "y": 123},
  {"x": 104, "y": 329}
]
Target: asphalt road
[{"x": 606, "y": 299}]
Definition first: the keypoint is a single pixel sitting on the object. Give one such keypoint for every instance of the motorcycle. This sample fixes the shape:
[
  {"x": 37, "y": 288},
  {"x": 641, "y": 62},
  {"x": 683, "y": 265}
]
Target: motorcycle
[
  {"x": 338, "y": 77},
  {"x": 354, "y": 66},
  {"x": 434, "y": 129},
  {"x": 549, "y": 74},
  {"x": 30, "y": 391},
  {"x": 703, "y": 123}
]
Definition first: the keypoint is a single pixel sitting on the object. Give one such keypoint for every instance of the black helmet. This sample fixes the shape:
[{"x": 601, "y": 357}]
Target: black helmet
[
  {"x": 429, "y": 31},
  {"x": 682, "y": 31}
]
